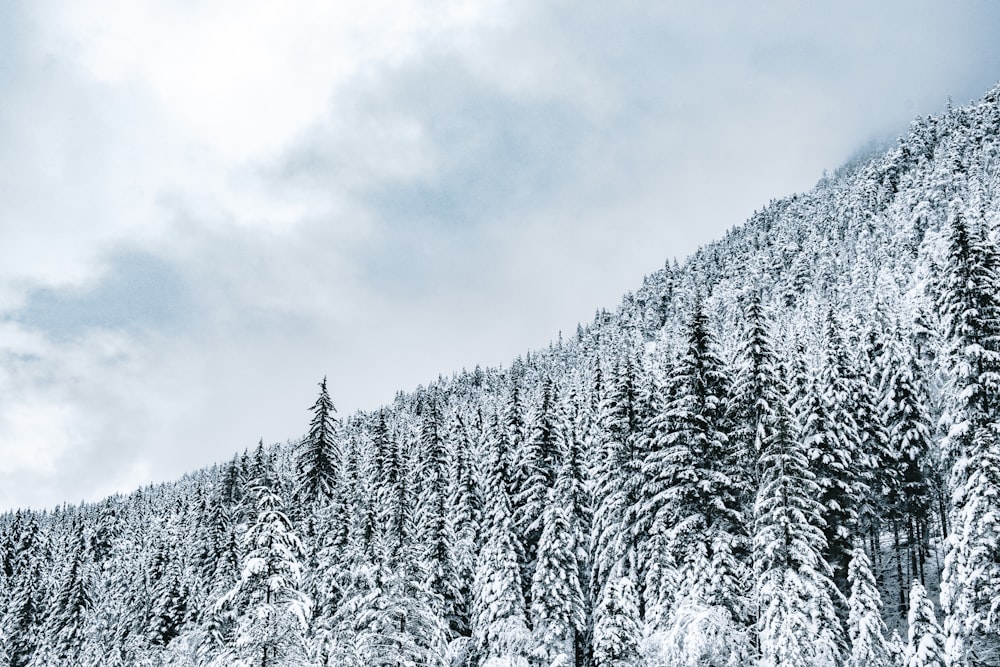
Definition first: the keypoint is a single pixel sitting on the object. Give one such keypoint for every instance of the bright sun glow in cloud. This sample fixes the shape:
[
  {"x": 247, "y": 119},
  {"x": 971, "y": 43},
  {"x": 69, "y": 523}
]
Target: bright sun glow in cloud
[{"x": 208, "y": 206}]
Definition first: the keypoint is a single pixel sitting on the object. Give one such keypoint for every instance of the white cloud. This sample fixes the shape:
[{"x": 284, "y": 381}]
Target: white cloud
[{"x": 386, "y": 190}]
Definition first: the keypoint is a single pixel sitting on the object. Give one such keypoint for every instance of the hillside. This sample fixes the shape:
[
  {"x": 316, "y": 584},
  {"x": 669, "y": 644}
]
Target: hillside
[{"x": 714, "y": 473}]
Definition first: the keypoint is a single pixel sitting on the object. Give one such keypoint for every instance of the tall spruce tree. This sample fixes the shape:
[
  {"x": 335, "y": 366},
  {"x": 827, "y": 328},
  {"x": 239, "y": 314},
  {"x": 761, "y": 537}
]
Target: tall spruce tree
[
  {"x": 500, "y": 623},
  {"x": 797, "y": 625},
  {"x": 865, "y": 627},
  {"x": 267, "y": 604},
  {"x": 616, "y": 622},
  {"x": 557, "y": 604},
  {"x": 431, "y": 514},
  {"x": 537, "y": 464},
  {"x": 925, "y": 647},
  {"x": 833, "y": 443},
  {"x": 692, "y": 495},
  {"x": 464, "y": 524},
  {"x": 320, "y": 456},
  {"x": 970, "y": 306}
]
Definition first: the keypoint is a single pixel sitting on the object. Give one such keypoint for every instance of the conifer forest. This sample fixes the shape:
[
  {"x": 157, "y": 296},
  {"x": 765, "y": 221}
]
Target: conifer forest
[{"x": 783, "y": 451}]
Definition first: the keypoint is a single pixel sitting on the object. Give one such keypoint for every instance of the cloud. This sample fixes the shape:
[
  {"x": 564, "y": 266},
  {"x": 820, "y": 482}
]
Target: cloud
[
  {"x": 136, "y": 292},
  {"x": 209, "y": 206}
]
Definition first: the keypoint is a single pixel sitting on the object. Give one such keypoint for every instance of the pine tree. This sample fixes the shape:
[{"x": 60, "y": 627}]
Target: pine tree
[
  {"x": 537, "y": 471},
  {"x": 500, "y": 622},
  {"x": 608, "y": 541},
  {"x": 431, "y": 514},
  {"x": 925, "y": 647},
  {"x": 319, "y": 459},
  {"x": 25, "y": 614},
  {"x": 64, "y": 625},
  {"x": 970, "y": 305},
  {"x": 693, "y": 492},
  {"x": 833, "y": 443},
  {"x": 557, "y": 604},
  {"x": 392, "y": 507},
  {"x": 753, "y": 393},
  {"x": 616, "y": 622},
  {"x": 464, "y": 523},
  {"x": 396, "y": 624},
  {"x": 866, "y": 629},
  {"x": 971, "y": 581},
  {"x": 169, "y": 605},
  {"x": 797, "y": 624},
  {"x": 907, "y": 470},
  {"x": 270, "y": 610}
]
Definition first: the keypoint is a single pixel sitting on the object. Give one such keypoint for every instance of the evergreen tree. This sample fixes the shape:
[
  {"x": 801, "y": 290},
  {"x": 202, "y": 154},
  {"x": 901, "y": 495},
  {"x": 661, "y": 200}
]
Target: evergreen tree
[
  {"x": 24, "y": 616},
  {"x": 907, "y": 471},
  {"x": 500, "y": 622},
  {"x": 319, "y": 460},
  {"x": 65, "y": 625},
  {"x": 537, "y": 471},
  {"x": 616, "y": 622},
  {"x": 557, "y": 604},
  {"x": 431, "y": 516},
  {"x": 752, "y": 394},
  {"x": 925, "y": 647},
  {"x": 395, "y": 623},
  {"x": 866, "y": 629},
  {"x": 608, "y": 541},
  {"x": 268, "y": 606},
  {"x": 392, "y": 507},
  {"x": 692, "y": 496},
  {"x": 970, "y": 305},
  {"x": 464, "y": 522},
  {"x": 797, "y": 624},
  {"x": 833, "y": 442}
]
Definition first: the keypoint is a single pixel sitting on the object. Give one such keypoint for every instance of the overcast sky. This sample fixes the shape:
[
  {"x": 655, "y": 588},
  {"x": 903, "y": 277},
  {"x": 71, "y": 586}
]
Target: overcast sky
[{"x": 207, "y": 206}]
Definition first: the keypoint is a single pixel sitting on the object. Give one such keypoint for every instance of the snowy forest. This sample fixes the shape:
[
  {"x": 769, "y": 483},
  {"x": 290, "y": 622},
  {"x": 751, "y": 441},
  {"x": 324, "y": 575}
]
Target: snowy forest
[{"x": 784, "y": 451}]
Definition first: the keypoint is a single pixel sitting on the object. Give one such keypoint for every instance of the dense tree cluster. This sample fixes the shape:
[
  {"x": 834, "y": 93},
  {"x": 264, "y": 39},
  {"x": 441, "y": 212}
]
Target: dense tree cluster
[{"x": 773, "y": 454}]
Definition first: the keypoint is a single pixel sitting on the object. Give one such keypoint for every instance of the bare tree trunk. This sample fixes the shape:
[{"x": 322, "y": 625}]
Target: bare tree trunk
[{"x": 903, "y": 608}]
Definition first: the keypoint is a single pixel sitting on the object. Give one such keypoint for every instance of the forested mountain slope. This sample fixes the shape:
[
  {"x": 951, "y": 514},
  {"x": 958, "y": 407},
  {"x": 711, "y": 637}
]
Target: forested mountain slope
[{"x": 767, "y": 455}]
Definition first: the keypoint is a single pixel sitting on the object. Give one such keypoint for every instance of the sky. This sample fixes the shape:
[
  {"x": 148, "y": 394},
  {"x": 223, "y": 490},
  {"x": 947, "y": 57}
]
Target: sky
[{"x": 206, "y": 207}]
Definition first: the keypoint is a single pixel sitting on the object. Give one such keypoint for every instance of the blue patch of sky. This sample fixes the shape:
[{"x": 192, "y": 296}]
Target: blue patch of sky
[
  {"x": 11, "y": 29},
  {"x": 138, "y": 293},
  {"x": 498, "y": 154}
]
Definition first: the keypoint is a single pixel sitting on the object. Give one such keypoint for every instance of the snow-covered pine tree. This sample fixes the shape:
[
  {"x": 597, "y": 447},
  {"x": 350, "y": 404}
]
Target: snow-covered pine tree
[
  {"x": 464, "y": 521},
  {"x": 24, "y": 592},
  {"x": 395, "y": 623},
  {"x": 431, "y": 515},
  {"x": 797, "y": 625},
  {"x": 320, "y": 456},
  {"x": 873, "y": 454},
  {"x": 391, "y": 505},
  {"x": 693, "y": 492},
  {"x": 537, "y": 465},
  {"x": 608, "y": 540},
  {"x": 500, "y": 622},
  {"x": 832, "y": 439},
  {"x": 908, "y": 495},
  {"x": 971, "y": 581},
  {"x": 970, "y": 306},
  {"x": 64, "y": 630},
  {"x": 557, "y": 604},
  {"x": 575, "y": 491},
  {"x": 616, "y": 622},
  {"x": 925, "y": 647},
  {"x": 865, "y": 628},
  {"x": 752, "y": 393},
  {"x": 270, "y": 611}
]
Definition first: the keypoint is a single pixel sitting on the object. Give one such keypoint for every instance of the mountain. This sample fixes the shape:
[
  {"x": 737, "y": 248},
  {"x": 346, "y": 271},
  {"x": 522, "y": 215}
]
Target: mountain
[{"x": 775, "y": 453}]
